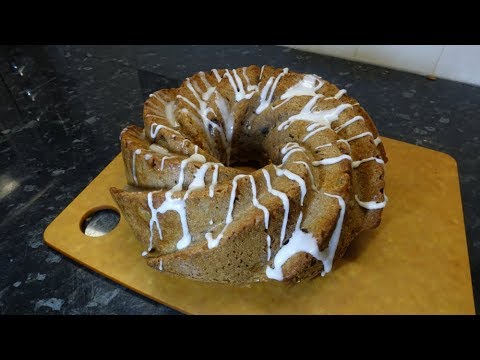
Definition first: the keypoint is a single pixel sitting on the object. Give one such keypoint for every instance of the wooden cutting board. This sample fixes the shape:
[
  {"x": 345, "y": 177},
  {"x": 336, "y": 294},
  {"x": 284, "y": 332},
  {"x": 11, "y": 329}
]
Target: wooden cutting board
[{"x": 416, "y": 262}]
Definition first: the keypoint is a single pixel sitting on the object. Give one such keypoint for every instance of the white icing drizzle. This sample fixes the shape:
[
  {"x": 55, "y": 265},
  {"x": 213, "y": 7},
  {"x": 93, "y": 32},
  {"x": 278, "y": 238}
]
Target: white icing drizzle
[
  {"x": 228, "y": 124},
  {"x": 343, "y": 141},
  {"x": 357, "y": 163},
  {"x": 298, "y": 242},
  {"x": 214, "y": 180},
  {"x": 160, "y": 265},
  {"x": 289, "y": 149},
  {"x": 217, "y": 75},
  {"x": 211, "y": 222},
  {"x": 198, "y": 181},
  {"x": 202, "y": 109},
  {"x": 329, "y": 253},
  {"x": 158, "y": 149},
  {"x": 367, "y": 133},
  {"x": 286, "y": 203},
  {"x": 163, "y": 161},
  {"x": 294, "y": 177},
  {"x": 134, "y": 173},
  {"x": 147, "y": 156},
  {"x": 195, "y": 149},
  {"x": 211, "y": 241},
  {"x": 312, "y": 180},
  {"x": 144, "y": 253},
  {"x": 269, "y": 250},
  {"x": 174, "y": 204},
  {"x": 330, "y": 144},
  {"x": 169, "y": 109},
  {"x": 323, "y": 146},
  {"x": 377, "y": 140},
  {"x": 330, "y": 161},
  {"x": 184, "y": 141},
  {"x": 309, "y": 135},
  {"x": 308, "y": 86},
  {"x": 250, "y": 87},
  {"x": 158, "y": 127},
  {"x": 237, "y": 86},
  {"x": 372, "y": 205},
  {"x": 210, "y": 89},
  {"x": 347, "y": 123},
  {"x": 338, "y": 95},
  {"x": 268, "y": 90},
  {"x": 305, "y": 242},
  {"x": 319, "y": 118},
  {"x": 261, "y": 72}
]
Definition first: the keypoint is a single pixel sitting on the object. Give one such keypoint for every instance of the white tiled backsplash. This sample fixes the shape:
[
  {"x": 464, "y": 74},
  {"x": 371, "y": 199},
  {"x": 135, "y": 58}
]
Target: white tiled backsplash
[{"x": 453, "y": 62}]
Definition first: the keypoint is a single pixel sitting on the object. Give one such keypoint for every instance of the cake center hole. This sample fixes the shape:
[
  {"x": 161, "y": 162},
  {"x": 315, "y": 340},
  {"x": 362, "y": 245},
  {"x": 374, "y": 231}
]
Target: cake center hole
[{"x": 100, "y": 222}]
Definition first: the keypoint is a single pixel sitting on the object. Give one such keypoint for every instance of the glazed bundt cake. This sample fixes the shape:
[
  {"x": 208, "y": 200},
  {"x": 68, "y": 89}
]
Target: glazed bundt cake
[{"x": 318, "y": 179}]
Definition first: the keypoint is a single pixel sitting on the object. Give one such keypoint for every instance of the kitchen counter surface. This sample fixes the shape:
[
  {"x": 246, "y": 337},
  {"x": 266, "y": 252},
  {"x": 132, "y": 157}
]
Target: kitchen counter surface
[{"x": 62, "y": 109}]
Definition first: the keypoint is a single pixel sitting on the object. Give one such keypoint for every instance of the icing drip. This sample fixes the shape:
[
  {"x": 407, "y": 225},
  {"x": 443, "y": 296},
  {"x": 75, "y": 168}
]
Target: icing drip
[
  {"x": 211, "y": 222},
  {"x": 268, "y": 90},
  {"x": 158, "y": 127},
  {"x": 298, "y": 242},
  {"x": 174, "y": 204},
  {"x": 319, "y": 118},
  {"x": 293, "y": 177},
  {"x": 198, "y": 179},
  {"x": 163, "y": 161},
  {"x": 349, "y": 122},
  {"x": 323, "y": 146},
  {"x": 148, "y": 156},
  {"x": 312, "y": 180},
  {"x": 237, "y": 86},
  {"x": 305, "y": 87},
  {"x": 330, "y": 161},
  {"x": 329, "y": 253},
  {"x": 266, "y": 213},
  {"x": 261, "y": 73},
  {"x": 160, "y": 265},
  {"x": 377, "y": 141},
  {"x": 269, "y": 250},
  {"x": 338, "y": 95},
  {"x": 330, "y": 144},
  {"x": 210, "y": 89},
  {"x": 360, "y": 136},
  {"x": 372, "y": 205},
  {"x": 344, "y": 141},
  {"x": 169, "y": 109},
  {"x": 213, "y": 242},
  {"x": 309, "y": 135},
  {"x": 134, "y": 173},
  {"x": 305, "y": 242},
  {"x": 228, "y": 125},
  {"x": 145, "y": 253},
  {"x": 286, "y": 203},
  {"x": 356, "y": 164},
  {"x": 250, "y": 87},
  {"x": 195, "y": 149},
  {"x": 289, "y": 149},
  {"x": 214, "y": 180},
  {"x": 184, "y": 141},
  {"x": 217, "y": 75}
]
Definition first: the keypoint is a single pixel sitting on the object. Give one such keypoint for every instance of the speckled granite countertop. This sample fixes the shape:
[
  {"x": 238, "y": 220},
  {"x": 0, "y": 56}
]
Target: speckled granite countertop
[{"x": 63, "y": 107}]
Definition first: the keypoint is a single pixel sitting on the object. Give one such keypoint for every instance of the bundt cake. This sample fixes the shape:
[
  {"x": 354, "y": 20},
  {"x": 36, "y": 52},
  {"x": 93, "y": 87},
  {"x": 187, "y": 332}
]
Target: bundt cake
[{"x": 317, "y": 182}]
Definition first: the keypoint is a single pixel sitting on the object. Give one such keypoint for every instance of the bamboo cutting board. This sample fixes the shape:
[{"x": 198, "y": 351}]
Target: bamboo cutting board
[{"x": 416, "y": 262}]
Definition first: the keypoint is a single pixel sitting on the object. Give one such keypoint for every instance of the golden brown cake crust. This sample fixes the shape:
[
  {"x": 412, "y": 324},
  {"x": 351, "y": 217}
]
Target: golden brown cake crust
[{"x": 319, "y": 180}]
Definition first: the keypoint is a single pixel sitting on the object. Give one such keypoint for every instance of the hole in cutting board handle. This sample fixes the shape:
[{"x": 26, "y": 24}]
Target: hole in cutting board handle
[{"x": 99, "y": 221}]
